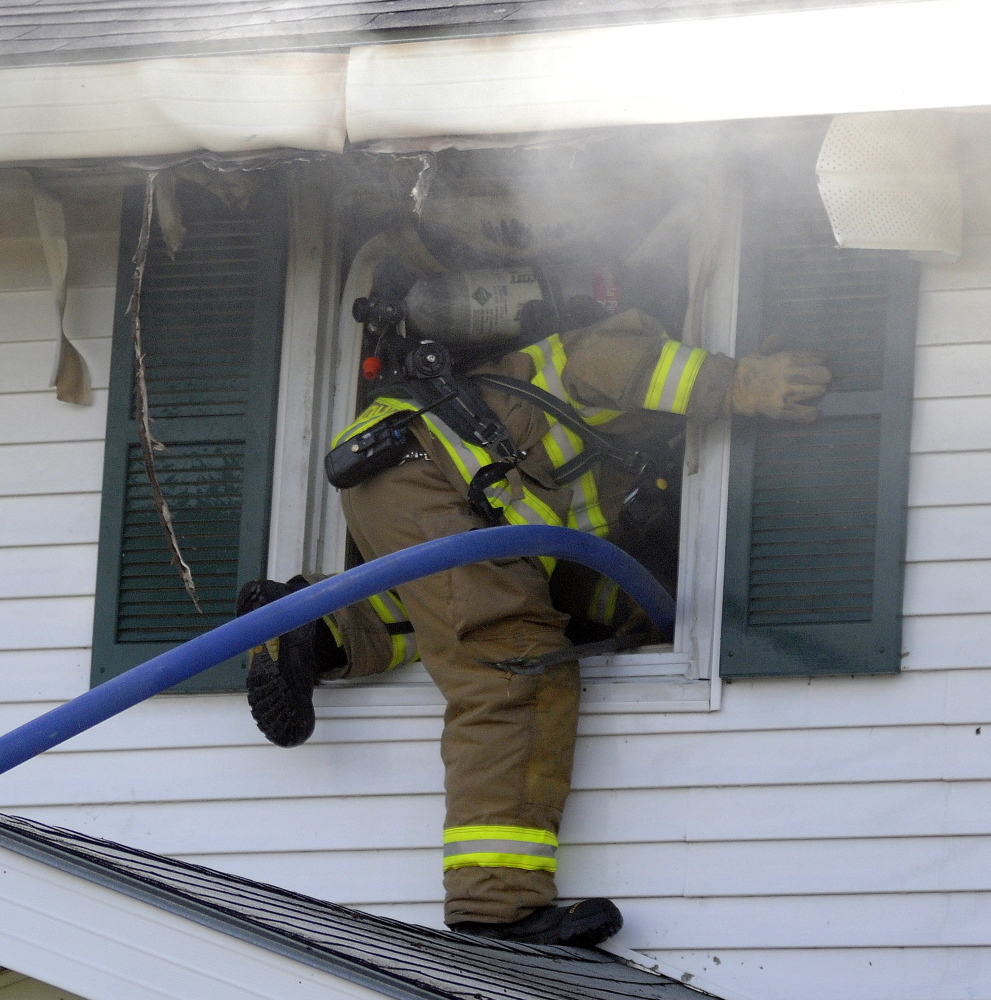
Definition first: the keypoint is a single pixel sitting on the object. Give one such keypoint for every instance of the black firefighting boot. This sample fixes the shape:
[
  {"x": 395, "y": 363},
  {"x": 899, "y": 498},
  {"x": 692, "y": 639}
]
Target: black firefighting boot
[
  {"x": 283, "y": 671},
  {"x": 582, "y": 925}
]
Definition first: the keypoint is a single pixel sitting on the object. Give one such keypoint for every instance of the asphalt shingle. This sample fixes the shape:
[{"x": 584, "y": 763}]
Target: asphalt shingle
[{"x": 397, "y": 959}]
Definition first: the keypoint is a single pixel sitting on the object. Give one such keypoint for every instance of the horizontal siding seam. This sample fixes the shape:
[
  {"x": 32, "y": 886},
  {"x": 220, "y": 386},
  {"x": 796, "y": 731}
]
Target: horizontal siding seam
[
  {"x": 658, "y": 841},
  {"x": 50, "y": 390},
  {"x": 966, "y": 395},
  {"x": 80, "y": 545},
  {"x": 44, "y": 597},
  {"x": 47, "y": 441},
  {"x": 948, "y": 451},
  {"x": 675, "y": 733},
  {"x": 927, "y": 562},
  {"x": 925, "y": 506},
  {"x": 945, "y": 614},
  {"x": 34, "y": 808},
  {"x": 96, "y": 493},
  {"x": 43, "y": 649},
  {"x": 933, "y": 344}
]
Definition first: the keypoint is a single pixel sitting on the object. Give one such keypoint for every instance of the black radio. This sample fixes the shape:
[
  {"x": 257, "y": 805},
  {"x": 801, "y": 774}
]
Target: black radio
[{"x": 382, "y": 446}]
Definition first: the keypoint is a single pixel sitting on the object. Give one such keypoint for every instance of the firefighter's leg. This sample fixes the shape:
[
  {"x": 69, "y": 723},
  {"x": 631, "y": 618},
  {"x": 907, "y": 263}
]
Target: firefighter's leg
[
  {"x": 598, "y": 608},
  {"x": 508, "y": 741},
  {"x": 366, "y": 638},
  {"x": 376, "y": 635}
]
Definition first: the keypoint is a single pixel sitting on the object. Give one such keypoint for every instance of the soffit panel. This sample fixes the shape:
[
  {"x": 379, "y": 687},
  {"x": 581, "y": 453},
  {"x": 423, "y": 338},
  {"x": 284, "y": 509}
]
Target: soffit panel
[{"x": 42, "y": 32}]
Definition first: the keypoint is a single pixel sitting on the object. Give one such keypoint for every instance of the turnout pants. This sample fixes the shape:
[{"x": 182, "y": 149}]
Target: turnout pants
[{"x": 508, "y": 741}]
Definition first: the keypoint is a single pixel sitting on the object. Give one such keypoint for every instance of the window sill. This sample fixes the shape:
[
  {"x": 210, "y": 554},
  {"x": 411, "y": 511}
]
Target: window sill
[{"x": 638, "y": 683}]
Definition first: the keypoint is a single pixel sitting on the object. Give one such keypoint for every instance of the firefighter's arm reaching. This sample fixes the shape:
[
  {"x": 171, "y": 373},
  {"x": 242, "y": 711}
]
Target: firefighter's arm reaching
[{"x": 628, "y": 362}]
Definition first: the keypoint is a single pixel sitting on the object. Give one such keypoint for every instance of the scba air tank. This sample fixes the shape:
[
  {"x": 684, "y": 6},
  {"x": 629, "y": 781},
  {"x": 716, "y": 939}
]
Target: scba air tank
[{"x": 485, "y": 305}]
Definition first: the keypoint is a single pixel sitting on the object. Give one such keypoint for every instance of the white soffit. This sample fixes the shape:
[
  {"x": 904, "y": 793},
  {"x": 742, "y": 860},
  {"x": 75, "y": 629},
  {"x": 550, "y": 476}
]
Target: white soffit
[
  {"x": 224, "y": 104},
  {"x": 811, "y": 62},
  {"x": 103, "y": 945}
]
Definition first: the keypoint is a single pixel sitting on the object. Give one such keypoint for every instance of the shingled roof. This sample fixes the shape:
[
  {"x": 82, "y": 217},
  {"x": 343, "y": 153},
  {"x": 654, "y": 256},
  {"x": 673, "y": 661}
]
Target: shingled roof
[
  {"x": 58, "y": 31},
  {"x": 395, "y": 959}
]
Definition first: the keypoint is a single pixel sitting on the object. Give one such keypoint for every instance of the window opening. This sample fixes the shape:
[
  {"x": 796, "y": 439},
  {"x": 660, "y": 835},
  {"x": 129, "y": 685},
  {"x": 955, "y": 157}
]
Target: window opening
[{"x": 609, "y": 221}]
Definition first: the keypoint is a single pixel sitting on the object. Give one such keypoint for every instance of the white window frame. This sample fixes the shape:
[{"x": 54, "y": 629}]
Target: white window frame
[{"x": 318, "y": 396}]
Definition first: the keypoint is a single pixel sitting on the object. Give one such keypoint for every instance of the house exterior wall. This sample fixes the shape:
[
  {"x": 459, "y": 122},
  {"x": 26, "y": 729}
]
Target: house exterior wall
[
  {"x": 51, "y": 453},
  {"x": 811, "y": 839}
]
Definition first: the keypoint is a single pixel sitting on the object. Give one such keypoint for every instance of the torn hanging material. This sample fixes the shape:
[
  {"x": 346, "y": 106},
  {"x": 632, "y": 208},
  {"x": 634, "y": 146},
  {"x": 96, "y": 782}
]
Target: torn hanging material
[
  {"x": 70, "y": 375},
  {"x": 148, "y": 443},
  {"x": 889, "y": 181},
  {"x": 169, "y": 213}
]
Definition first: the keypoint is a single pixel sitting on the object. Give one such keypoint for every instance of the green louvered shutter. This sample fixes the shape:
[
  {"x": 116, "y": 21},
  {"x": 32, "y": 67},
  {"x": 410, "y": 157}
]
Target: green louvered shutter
[
  {"x": 211, "y": 329},
  {"x": 816, "y": 519}
]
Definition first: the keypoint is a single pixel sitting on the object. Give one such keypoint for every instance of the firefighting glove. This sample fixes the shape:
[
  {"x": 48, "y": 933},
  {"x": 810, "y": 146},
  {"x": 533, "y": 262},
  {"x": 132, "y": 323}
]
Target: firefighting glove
[{"x": 781, "y": 386}]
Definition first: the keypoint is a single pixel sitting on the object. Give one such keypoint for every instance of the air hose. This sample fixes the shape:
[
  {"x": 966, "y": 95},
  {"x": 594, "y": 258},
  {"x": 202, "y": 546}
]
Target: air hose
[{"x": 193, "y": 657}]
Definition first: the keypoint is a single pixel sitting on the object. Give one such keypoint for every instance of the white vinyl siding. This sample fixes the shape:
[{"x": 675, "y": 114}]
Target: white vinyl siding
[
  {"x": 51, "y": 453},
  {"x": 821, "y": 839}
]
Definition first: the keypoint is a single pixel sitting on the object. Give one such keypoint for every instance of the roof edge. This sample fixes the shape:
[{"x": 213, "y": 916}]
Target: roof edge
[{"x": 225, "y": 923}]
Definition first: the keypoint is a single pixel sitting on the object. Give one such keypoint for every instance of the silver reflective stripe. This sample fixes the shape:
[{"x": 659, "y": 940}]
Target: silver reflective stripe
[
  {"x": 393, "y": 606},
  {"x": 467, "y": 456},
  {"x": 673, "y": 378},
  {"x": 523, "y": 510},
  {"x": 603, "y": 607},
  {"x": 555, "y": 384},
  {"x": 567, "y": 447},
  {"x": 408, "y": 639},
  {"x": 500, "y": 494},
  {"x": 499, "y": 847},
  {"x": 410, "y": 651},
  {"x": 579, "y": 506}
]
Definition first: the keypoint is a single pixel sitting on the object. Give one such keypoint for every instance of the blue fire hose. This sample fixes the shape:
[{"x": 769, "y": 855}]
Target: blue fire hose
[{"x": 234, "y": 637}]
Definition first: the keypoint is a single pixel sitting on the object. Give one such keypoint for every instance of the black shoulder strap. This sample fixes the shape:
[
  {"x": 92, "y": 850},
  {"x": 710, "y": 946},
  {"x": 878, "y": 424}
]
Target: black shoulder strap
[
  {"x": 598, "y": 445},
  {"x": 465, "y": 412}
]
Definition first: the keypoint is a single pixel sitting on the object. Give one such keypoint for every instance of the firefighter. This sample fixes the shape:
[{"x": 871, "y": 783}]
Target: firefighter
[{"x": 508, "y": 740}]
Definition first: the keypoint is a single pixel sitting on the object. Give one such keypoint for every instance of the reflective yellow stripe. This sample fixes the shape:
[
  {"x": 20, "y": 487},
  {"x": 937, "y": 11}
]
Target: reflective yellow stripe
[
  {"x": 586, "y": 513},
  {"x": 391, "y": 611},
  {"x": 334, "y": 630},
  {"x": 536, "y": 352},
  {"x": 371, "y": 415},
  {"x": 674, "y": 376},
  {"x": 602, "y": 607},
  {"x": 550, "y": 378},
  {"x": 687, "y": 381},
  {"x": 470, "y": 458},
  {"x": 659, "y": 379},
  {"x": 528, "y": 848},
  {"x": 563, "y": 444},
  {"x": 404, "y": 644},
  {"x": 493, "y": 860},
  {"x": 596, "y": 415},
  {"x": 526, "y": 834}
]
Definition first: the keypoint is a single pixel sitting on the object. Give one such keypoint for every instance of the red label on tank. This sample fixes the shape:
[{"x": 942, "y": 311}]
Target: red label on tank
[{"x": 605, "y": 288}]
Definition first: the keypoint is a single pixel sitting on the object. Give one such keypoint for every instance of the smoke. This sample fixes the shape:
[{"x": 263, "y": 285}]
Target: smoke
[{"x": 643, "y": 202}]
